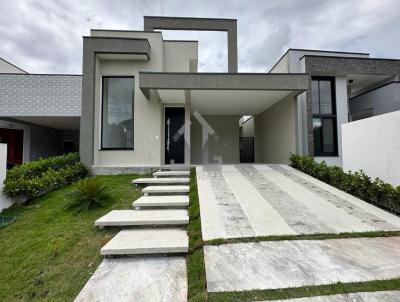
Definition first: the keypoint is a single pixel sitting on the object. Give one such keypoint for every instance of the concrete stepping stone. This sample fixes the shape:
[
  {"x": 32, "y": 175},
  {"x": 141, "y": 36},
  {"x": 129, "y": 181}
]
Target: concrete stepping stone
[
  {"x": 138, "y": 279},
  {"x": 167, "y": 201},
  {"x": 171, "y": 174},
  {"x": 161, "y": 181},
  {"x": 143, "y": 218},
  {"x": 147, "y": 241},
  {"x": 165, "y": 190}
]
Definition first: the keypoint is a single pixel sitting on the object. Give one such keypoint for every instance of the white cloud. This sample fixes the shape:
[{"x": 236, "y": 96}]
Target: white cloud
[{"x": 46, "y": 36}]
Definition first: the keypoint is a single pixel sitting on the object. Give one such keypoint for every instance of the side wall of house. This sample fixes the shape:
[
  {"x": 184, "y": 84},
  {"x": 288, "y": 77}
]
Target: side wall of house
[
  {"x": 382, "y": 100},
  {"x": 275, "y": 132},
  {"x": 222, "y": 146}
]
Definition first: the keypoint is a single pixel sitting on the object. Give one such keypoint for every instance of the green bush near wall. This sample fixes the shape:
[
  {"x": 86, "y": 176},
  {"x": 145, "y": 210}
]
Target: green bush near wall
[
  {"x": 356, "y": 183},
  {"x": 43, "y": 175}
]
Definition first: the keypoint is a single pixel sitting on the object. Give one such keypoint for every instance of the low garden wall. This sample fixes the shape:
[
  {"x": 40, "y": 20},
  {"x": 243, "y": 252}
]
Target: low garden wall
[{"x": 373, "y": 145}]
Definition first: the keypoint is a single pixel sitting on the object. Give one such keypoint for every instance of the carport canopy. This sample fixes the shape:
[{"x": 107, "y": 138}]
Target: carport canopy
[{"x": 223, "y": 93}]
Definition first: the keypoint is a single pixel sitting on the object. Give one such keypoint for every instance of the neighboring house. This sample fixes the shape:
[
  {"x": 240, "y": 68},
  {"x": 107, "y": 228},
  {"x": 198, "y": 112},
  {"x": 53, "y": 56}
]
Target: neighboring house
[
  {"x": 343, "y": 87},
  {"x": 39, "y": 113},
  {"x": 144, "y": 104}
]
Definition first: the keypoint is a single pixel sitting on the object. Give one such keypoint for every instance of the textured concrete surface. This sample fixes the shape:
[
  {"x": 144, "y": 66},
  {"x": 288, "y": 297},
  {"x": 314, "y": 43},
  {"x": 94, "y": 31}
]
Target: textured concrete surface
[
  {"x": 171, "y": 174},
  {"x": 147, "y": 241},
  {"x": 165, "y": 189},
  {"x": 283, "y": 264},
  {"x": 137, "y": 218},
  {"x": 140, "y": 279},
  {"x": 161, "y": 181},
  {"x": 384, "y": 296},
  {"x": 263, "y": 200},
  {"x": 162, "y": 201}
]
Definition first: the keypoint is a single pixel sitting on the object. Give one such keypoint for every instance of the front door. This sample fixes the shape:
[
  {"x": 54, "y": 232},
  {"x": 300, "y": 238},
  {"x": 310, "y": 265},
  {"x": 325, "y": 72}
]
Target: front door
[
  {"x": 174, "y": 135},
  {"x": 14, "y": 138}
]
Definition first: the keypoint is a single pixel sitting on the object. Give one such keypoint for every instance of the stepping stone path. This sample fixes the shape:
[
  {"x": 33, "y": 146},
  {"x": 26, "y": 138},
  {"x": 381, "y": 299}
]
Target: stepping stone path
[
  {"x": 167, "y": 191},
  {"x": 171, "y": 174},
  {"x": 147, "y": 241},
  {"x": 168, "y": 201},
  {"x": 161, "y": 181},
  {"x": 142, "y": 218}
]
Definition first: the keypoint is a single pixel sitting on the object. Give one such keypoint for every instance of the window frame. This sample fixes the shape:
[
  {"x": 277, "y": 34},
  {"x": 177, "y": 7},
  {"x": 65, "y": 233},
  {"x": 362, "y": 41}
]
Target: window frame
[
  {"x": 322, "y": 116},
  {"x": 102, "y": 115}
]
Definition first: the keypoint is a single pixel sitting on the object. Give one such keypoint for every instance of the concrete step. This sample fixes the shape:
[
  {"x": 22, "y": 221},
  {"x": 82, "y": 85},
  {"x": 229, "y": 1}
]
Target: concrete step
[
  {"x": 165, "y": 190},
  {"x": 168, "y": 201},
  {"x": 171, "y": 173},
  {"x": 161, "y": 181},
  {"x": 147, "y": 241},
  {"x": 143, "y": 218}
]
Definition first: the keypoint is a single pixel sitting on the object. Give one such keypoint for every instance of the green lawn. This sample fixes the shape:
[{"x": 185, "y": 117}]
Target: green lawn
[{"x": 48, "y": 253}]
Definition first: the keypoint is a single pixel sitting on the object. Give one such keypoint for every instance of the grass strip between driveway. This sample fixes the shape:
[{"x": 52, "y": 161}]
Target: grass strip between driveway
[
  {"x": 304, "y": 237},
  {"x": 306, "y": 291},
  {"x": 196, "y": 272}
]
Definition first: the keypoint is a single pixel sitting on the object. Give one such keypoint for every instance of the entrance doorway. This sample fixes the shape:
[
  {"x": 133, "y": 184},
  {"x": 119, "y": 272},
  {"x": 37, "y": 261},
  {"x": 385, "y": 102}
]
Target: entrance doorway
[
  {"x": 246, "y": 149},
  {"x": 174, "y": 135},
  {"x": 14, "y": 138}
]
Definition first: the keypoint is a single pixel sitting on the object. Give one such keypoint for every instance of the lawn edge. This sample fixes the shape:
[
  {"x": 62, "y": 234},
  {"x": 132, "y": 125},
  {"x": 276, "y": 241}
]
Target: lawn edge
[
  {"x": 327, "y": 236},
  {"x": 306, "y": 291},
  {"x": 196, "y": 272}
]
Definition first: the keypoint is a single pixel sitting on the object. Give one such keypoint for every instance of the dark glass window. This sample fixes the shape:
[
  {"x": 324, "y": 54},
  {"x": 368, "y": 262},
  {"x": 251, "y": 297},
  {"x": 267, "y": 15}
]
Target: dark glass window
[
  {"x": 117, "y": 113},
  {"x": 324, "y": 116}
]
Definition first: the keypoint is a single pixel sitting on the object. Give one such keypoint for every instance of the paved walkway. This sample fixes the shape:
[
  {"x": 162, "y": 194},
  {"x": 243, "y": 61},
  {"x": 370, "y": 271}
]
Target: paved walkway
[
  {"x": 387, "y": 296},
  {"x": 296, "y": 263},
  {"x": 263, "y": 200}
]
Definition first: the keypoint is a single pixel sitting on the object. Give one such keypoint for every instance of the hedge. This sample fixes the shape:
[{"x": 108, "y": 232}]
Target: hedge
[
  {"x": 356, "y": 183},
  {"x": 43, "y": 175}
]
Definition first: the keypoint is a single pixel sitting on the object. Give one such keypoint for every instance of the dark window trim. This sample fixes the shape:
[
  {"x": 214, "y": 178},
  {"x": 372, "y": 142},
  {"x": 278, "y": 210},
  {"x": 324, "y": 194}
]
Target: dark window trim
[
  {"x": 133, "y": 114},
  {"x": 333, "y": 116}
]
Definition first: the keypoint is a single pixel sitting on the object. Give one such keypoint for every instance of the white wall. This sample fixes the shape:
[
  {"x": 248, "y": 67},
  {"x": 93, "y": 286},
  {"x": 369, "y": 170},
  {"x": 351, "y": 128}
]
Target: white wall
[
  {"x": 223, "y": 145},
  {"x": 373, "y": 145},
  {"x": 178, "y": 55},
  {"x": 4, "y": 201},
  {"x": 275, "y": 132}
]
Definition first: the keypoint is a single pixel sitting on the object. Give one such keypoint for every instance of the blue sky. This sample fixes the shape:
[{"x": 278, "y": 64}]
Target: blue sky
[{"x": 46, "y": 36}]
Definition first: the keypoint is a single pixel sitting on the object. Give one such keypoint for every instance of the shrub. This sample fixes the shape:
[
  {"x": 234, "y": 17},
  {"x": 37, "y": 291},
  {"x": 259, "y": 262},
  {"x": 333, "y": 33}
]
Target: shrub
[
  {"x": 88, "y": 193},
  {"x": 356, "y": 183},
  {"x": 43, "y": 175}
]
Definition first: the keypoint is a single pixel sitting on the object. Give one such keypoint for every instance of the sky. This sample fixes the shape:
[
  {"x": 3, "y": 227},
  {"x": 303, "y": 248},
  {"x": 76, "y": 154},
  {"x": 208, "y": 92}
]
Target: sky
[{"x": 45, "y": 36}]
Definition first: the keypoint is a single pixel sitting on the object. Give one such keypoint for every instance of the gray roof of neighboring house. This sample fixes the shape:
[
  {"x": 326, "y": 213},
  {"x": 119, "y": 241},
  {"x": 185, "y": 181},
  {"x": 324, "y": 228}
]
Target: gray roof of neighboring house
[{"x": 40, "y": 95}]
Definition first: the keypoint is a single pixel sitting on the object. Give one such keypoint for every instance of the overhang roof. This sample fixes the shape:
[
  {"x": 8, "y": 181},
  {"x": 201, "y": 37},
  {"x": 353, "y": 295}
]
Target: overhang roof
[{"x": 223, "y": 93}]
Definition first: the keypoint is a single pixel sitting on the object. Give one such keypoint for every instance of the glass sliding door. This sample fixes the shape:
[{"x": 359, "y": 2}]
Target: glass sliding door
[{"x": 117, "y": 113}]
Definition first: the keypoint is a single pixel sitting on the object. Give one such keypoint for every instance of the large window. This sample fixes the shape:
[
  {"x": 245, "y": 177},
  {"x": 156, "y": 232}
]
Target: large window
[
  {"x": 324, "y": 116},
  {"x": 117, "y": 113}
]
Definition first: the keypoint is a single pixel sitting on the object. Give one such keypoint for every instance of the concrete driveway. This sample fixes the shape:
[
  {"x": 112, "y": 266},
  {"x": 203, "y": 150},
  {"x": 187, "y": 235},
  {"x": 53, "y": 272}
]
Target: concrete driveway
[{"x": 262, "y": 200}]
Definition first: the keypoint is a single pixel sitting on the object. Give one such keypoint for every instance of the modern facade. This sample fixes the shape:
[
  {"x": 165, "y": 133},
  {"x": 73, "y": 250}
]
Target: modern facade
[{"x": 141, "y": 102}]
